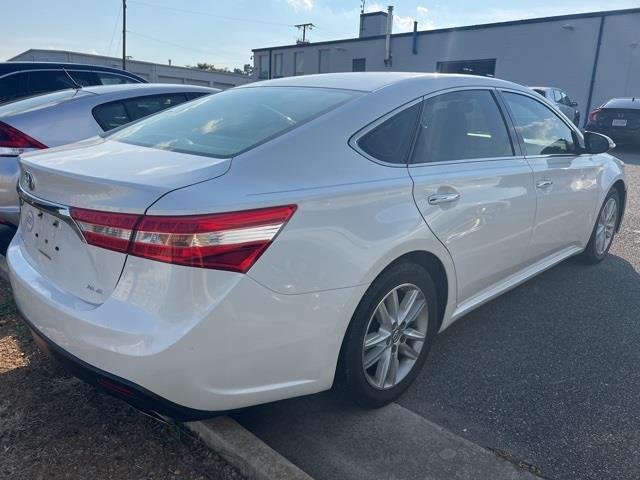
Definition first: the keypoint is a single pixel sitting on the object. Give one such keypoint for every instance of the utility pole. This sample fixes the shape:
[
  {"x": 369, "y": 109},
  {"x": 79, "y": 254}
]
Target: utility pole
[
  {"x": 124, "y": 34},
  {"x": 304, "y": 27}
]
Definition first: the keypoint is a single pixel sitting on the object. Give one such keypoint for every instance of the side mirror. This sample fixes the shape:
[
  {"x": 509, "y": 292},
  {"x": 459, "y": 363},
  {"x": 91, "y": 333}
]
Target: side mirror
[{"x": 597, "y": 143}]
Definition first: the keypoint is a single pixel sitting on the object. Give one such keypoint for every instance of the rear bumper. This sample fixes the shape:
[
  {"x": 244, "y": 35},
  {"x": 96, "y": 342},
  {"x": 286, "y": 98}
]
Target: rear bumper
[
  {"x": 138, "y": 396},
  {"x": 617, "y": 134},
  {"x": 186, "y": 341}
]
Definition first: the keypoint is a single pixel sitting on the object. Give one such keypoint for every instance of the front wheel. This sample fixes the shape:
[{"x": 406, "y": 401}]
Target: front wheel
[
  {"x": 390, "y": 335},
  {"x": 603, "y": 231}
]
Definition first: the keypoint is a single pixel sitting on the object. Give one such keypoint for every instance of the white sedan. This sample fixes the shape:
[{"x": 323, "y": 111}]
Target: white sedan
[{"x": 264, "y": 242}]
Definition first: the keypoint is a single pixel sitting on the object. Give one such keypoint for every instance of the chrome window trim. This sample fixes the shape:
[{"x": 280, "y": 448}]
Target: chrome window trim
[
  {"x": 478, "y": 159},
  {"x": 353, "y": 141},
  {"x": 69, "y": 70}
]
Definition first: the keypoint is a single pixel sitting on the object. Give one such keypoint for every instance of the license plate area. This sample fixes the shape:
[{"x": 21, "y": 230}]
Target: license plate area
[
  {"x": 619, "y": 122},
  {"x": 43, "y": 234}
]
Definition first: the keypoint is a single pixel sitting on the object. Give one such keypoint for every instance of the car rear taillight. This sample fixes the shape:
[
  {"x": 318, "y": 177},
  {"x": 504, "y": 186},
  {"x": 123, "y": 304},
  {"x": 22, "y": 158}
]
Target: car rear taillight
[
  {"x": 105, "y": 229},
  {"x": 593, "y": 116},
  {"x": 224, "y": 241},
  {"x": 13, "y": 142}
]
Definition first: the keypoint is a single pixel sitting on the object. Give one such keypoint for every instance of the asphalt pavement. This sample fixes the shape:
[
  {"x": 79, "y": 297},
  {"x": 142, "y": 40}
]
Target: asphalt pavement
[{"x": 546, "y": 375}]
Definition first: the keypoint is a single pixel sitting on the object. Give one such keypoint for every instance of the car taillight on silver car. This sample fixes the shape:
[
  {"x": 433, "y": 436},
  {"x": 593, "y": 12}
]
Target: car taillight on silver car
[{"x": 223, "y": 241}]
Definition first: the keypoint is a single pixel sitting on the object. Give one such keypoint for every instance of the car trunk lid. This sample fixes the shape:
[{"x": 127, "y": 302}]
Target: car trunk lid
[{"x": 103, "y": 176}]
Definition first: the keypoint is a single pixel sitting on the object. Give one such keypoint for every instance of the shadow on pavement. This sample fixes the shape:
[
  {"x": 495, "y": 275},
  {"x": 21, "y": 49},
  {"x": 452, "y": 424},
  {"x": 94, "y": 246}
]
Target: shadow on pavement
[{"x": 548, "y": 373}]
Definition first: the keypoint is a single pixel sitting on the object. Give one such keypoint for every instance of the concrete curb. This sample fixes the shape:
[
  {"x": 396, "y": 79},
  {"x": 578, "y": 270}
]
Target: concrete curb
[{"x": 242, "y": 449}]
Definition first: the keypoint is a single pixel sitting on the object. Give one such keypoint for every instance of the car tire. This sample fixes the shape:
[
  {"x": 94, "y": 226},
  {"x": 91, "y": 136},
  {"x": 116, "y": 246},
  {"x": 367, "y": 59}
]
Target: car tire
[
  {"x": 604, "y": 230},
  {"x": 404, "y": 338}
]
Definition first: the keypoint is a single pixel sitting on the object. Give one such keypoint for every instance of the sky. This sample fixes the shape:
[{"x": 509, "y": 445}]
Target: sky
[{"x": 224, "y": 32}]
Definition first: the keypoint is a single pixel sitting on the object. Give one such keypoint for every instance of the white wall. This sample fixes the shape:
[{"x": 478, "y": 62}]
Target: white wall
[{"x": 551, "y": 53}]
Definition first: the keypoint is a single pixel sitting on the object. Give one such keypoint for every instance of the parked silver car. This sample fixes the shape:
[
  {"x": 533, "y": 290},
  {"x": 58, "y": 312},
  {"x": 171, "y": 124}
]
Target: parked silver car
[
  {"x": 561, "y": 100},
  {"x": 71, "y": 115}
]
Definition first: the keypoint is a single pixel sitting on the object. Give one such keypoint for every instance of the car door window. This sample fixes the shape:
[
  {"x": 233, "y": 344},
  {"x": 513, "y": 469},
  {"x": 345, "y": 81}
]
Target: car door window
[
  {"x": 13, "y": 86},
  {"x": 113, "y": 79},
  {"x": 111, "y": 115},
  {"x": 564, "y": 99},
  {"x": 47, "y": 81},
  {"x": 84, "y": 79},
  {"x": 540, "y": 129},
  {"x": 194, "y": 95},
  {"x": 461, "y": 125},
  {"x": 142, "y": 106},
  {"x": 391, "y": 140}
]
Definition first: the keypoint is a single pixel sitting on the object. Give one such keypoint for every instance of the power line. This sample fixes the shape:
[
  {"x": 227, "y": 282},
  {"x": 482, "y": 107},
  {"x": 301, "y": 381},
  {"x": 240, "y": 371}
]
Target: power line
[
  {"x": 115, "y": 28},
  {"x": 194, "y": 12},
  {"x": 177, "y": 45}
]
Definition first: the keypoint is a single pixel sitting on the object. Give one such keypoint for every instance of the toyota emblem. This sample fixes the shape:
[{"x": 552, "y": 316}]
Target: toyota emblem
[{"x": 29, "y": 180}]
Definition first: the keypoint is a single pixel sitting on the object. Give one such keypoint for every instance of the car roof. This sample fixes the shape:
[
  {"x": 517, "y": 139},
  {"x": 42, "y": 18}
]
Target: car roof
[
  {"x": 372, "y": 81},
  {"x": 146, "y": 87},
  {"x": 632, "y": 102},
  {"x": 10, "y": 67},
  {"x": 544, "y": 88}
]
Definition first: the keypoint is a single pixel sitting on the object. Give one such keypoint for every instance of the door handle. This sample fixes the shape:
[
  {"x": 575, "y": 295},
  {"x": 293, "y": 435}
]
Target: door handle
[
  {"x": 543, "y": 183},
  {"x": 440, "y": 198}
]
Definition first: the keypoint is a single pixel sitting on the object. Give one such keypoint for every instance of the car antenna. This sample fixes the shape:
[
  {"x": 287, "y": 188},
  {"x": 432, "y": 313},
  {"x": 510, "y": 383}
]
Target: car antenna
[{"x": 76, "y": 85}]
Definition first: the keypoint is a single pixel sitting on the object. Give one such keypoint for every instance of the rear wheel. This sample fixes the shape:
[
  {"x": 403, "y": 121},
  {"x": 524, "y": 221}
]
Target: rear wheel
[
  {"x": 603, "y": 231},
  {"x": 389, "y": 336}
]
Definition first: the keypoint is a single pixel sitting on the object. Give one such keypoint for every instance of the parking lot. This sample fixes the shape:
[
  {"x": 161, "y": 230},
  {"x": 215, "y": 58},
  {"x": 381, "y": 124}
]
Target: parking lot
[{"x": 546, "y": 376}]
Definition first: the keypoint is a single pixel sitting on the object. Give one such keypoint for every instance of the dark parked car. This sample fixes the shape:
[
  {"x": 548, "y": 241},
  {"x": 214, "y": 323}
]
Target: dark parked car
[
  {"x": 561, "y": 100},
  {"x": 619, "y": 118},
  {"x": 24, "y": 79}
]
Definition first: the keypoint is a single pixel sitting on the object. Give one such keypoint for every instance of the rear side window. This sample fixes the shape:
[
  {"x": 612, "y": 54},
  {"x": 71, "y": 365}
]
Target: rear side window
[
  {"x": 459, "y": 126},
  {"x": 111, "y": 115},
  {"x": 228, "y": 123},
  {"x": 540, "y": 129},
  {"x": 391, "y": 140},
  {"x": 115, "y": 114}
]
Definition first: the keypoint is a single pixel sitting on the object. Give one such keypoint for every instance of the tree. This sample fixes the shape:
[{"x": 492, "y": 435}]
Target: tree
[{"x": 210, "y": 67}]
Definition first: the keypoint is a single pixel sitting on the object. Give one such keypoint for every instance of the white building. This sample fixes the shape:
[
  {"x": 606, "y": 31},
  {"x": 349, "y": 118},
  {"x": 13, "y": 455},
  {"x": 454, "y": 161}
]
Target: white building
[
  {"x": 592, "y": 56},
  {"x": 152, "y": 72}
]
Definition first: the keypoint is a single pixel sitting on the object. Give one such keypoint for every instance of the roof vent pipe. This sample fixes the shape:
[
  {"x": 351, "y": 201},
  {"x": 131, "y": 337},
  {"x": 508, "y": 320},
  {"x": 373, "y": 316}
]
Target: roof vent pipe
[
  {"x": 387, "y": 42},
  {"x": 414, "y": 44}
]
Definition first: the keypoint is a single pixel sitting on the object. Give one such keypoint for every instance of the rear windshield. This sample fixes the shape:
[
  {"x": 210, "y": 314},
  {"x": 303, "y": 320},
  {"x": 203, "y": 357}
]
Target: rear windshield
[{"x": 231, "y": 122}]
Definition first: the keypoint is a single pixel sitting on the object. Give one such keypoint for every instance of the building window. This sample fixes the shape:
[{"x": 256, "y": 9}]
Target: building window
[
  {"x": 277, "y": 65},
  {"x": 483, "y": 68},
  {"x": 359, "y": 65},
  {"x": 298, "y": 63},
  {"x": 263, "y": 66},
  {"x": 323, "y": 60}
]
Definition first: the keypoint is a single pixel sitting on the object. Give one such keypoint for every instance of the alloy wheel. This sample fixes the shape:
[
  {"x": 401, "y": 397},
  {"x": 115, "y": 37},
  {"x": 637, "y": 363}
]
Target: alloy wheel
[
  {"x": 394, "y": 337},
  {"x": 606, "y": 225}
]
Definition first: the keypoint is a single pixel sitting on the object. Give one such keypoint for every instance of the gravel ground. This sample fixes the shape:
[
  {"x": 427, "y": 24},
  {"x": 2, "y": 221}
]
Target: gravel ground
[{"x": 54, "y": 426}]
